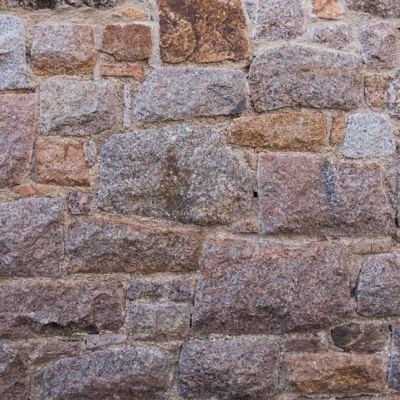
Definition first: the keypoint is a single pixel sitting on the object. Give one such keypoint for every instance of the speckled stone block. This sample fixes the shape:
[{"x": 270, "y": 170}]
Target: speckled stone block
[
  {"x": 394, "y": 95},
  {"x": 335, "y": 36},
  {"x": 379, "y": 8},
  {"x": 54, "y": 4}
]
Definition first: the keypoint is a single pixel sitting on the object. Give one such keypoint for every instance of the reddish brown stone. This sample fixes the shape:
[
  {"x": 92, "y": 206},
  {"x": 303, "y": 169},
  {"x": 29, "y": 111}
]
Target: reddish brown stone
[
  {"x": 17, "y": 127},
  {"x": 372, "y": 246},
  {"x": 78, "y": 203},
  {"x": 336, "y": 373},
  {"x": 309, "y": 195},
  {"x": 29, "y": 190},
  {"x": 61, "y": 163},
  {"x": 297, "y": 131},
  {"x": 251, "y": 286},
  {"x": 130, "y": 13},
  {"x": 338, "y": 129},
  {"x": 134, "y": 71},
  {"x": 63, "y": 49},
  {"x": 127, "y": 43},
  {"x": 302, "y": 344},
  {"x": 202, "y": 31},
  {"x": 52, "y": 349},
  {"x": 376, "y": 89},
  {"x": 328, "y": 9},
  {"x": 136, "y": 289}
]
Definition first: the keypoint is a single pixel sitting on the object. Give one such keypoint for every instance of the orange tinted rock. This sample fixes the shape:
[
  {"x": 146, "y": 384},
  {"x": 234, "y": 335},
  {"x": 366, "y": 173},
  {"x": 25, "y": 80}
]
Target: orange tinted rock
[
  {"x": 338, "y": 128},
  {"x": 328, "y": 9},
  {"x": 135, "y": 71},
  {"x": 29, "y": 190},
  {"x": 376, "y": 89},
  {"x": 130, "y": 13}
]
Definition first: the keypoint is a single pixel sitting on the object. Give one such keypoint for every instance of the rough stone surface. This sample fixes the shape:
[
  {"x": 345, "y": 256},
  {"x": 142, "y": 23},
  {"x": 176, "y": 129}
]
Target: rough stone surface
[
  {"x": 61, "y": 163},
  {"x": 17, "y": 134},
  {"x": 378, "y": 289},
  {"x": 30, "y": 238},
  {"x": 131, "y": 372},
  {"x": 250, "y": 286},
  {"x": 361, "y": 337},
  {"x": 59, "y": 308},
  {"x": 72, "y": 107},
  {"x": 167, "y": 94},
  {"x": 216, "y": 33},
  {"x": 108, "y": 339},
  {"x": 338, "y": 128},
  {"x": 51, "y": 349},
  {"x": 335, "y": 36},
  {"x": 13, "y": 74},
  {"x": 132, "y": 13},
  {"x": 381, "y": 8},
  {"x": 384, "y": 245},
  {"x": 134, "y": 71},
  {"x": 53, "y": 4},
  {"x": 180, "y": 289},
  {"x": 279, "y": 19},
  {"x": 302, "y": 344},
  {"x": 292, "y": 75},
  {"x": 90, "y": 153},
  {"x": 136, "y": 289},
  {"x": 328, "y": 9},
  {"x": 297, "y": 131},
  {"x": 376, "y": 89},
  {"x": 160, "y": 321},
  {"x": 394, "y": 368},
  {"x": 379, "y": 44},
  {"x": 78, "y": 203},
  {"x": 181, "y": 172},
  {"x": 336, "y": 372},
  {"x": 368, "y": 135},
  {"x": 103, "y": 245},
  {"x": 317, "y": 196},
  {"x": 394, "y": 95},
  {"x": 228, "y": 369},
  {"x": 128, "y": 42},
  {"x": 63, "y": 49}
]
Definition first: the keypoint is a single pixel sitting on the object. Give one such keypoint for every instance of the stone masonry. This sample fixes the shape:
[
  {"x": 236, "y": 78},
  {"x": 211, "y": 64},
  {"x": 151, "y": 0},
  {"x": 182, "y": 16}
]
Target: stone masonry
[{"x": 199, "y": 200}]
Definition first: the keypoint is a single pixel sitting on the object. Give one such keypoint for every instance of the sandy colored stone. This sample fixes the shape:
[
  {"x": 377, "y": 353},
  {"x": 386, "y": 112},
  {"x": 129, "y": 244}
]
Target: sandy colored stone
[
  {"x": 328, "y": 9},
  {"x": 338, "y": 128},
  {"x": 30, "y": 190},
  {"x": 380, "y": 8},
  {"x": 202, "y": 31},
  {"x": 54, "y": 4},
  {"x": 63, "y": 49},
  {"x": 168, "y": 94},
  {"x": 134, "y": 71},
  {"x": 61, "y": 163},
  {"x": 335, "y": 36},
  {"x": 182, "y": 172},
  {"x": 103, "y": 245},
  {"x": 251, "y": 286},
  {"x": 17, "y": 134},
  {"x": 336, "y": 373},
  {"x": 293, "y": 75},
  {"x": 129, "y": 373},
  {"x": 90, "y": 153},
  {"x": 297, "y": 131},
  {"x": 307, "y": 194},
  {"x": 228, "y": 369},
  {"x": 279, "y": 19},
  {"x": 376, "y": 89},
  {"x": 128, "y": 42},
  {"x": 31, "y": 238},
  {"x": 130, "y": 13},
  {"x": 59, "y": 308},
  {"x": 136, "y": 289},
  {"x": 394, "y": 95},
  {"x": 302, "y": 344},
  {"x": 76, "y": 108}
]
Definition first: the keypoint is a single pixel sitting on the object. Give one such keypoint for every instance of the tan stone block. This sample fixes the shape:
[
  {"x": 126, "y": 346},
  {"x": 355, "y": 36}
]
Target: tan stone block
[
  {"x": 328, "y": 9},
  {"x": 134, "y": 71}
]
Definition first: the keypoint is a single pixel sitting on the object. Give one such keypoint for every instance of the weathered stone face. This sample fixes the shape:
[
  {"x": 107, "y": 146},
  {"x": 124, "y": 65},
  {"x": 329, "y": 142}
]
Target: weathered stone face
[
  {"x": 292, "y": 75},
  {"x": 376, "y": 89},
  {"x": 202, "y": 31},
  {"x": 328, "y": 9},
  {"x": 13, "y": 74},
  {"x": 381, "y": 8},
  {"x": 394, "y": 368},
  {"x": 335, "y": 36},
  {"x": 17, "y": 134},
  {"x": 76, "y": 108},
  {"x": 168, "y": 94},
  {"x": 316, "y": 196},
  {"x": 181, "y": 172},
  {"x": 250, "y": 286},
  {"x": 59, "y": 308},
  {"x": 136, "y": 289},
  {"x": 53, "y": 4},
  {"x": 228, "y": 369},
  {"x": 303, "y": 344},
  {"x": 131, "y": 372},
  {"x": 394, "y": 95},
  {"x": 30, "y": 238},
  {"x": 102, "y": 245}
]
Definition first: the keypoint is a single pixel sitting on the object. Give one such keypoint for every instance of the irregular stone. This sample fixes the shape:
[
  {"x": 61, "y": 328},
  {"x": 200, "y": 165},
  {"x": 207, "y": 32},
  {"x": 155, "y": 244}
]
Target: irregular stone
[
  {"x": 379, "y": 44},
  {"x": 61, "y": 163},
  {"x": 90, "y": 153},
  {"x": 361, "y": 337},
  {"x": 103, "y": 245},
  {"x": 160, "y": 321},
  {"x": 228, "y": 369},
  {"x": 328, "y": 9},
  {"x": 53, "y": 4},
  {"x": 14, "y": 378},
  {"x": 306, "y": 194},
  {"x": 335, "y": 36},
  {"x": 376, "y": 89},
  {"x": 394, "y": 95},
  {"x": 297, "y": 131},
  {"x": 130, "y": 13},
  {"x": 181, "y": 172},
  {"x": 17, "y": 127},
  {"x": 293, "y": 75},
  {"x": 59, "y": 308},
  {"x": 53, "y": 348},
  {"x": 63, "y": 49},
  {"x": 368, "y": 135},
  {"x": 279, "y": 19},
  {"x": 31, "y": 238},
  {"x": 167, "y": 94},
  {"x": 130, "y": 372},
  {"x": 251, "y": 286},
  {"x": 136, "y": 289},
  {"x": 216, "y": 33},
  {"x": 13, "y": 74},
  {"x": 134, "y": 71},
  {"x": 381, "y": 8},
  {"x": 78, "y": 203},
  {"x": 302, "y": 344},
  {"x": 128, "y": 42},
  {"x": 180, "y": 289},
  {"x": 336, "y": 372},
  {"x": 108, "y": 339},
  {"x": 394, "y": 367},
  {"x": 72, "y": 107},
  {"x": 378, "y": 288}
]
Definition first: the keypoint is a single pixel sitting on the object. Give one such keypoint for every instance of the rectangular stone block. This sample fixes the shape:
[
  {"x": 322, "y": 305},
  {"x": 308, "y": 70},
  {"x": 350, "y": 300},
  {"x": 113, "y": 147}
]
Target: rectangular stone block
[
  {"x": 307, "y": 194},
  {"x": 379, "y": 8},
  {"x": 251, "y": 286},
  {"x": 394, "y": 368},
  {"x": 136, "y": 289}
]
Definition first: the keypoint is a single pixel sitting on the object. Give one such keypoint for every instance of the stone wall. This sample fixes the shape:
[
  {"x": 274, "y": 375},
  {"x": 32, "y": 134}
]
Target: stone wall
[{"x": 199, "y": 199}]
